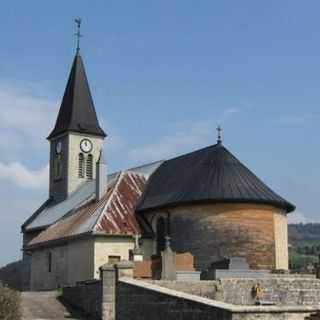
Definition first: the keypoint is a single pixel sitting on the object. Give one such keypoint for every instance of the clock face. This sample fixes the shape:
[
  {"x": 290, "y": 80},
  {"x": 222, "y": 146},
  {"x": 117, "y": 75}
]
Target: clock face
[
  {"x": 86, "y": 145},
  {"x": 58, "y": 147}
]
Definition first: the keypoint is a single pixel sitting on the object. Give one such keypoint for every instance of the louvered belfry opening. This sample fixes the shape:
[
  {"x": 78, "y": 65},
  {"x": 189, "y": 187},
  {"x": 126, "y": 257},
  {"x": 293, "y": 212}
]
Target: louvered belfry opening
[
  {"x": 89, "y": 166},
  {"x": 81, "y": 166}
]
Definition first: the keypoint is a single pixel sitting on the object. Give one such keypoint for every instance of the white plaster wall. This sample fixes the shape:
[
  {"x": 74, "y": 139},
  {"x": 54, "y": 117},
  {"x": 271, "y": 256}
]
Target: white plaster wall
[
  {"x": 69, "y": 180},
  {"x": 117, "y": 246},
  {"x": 70, "y": 263},
  {"x": 80, "y": 260},
  {"x": 110, "y": 246},
  {"x": 41, "y": 278},
  {"x": 74, "y": 149},
  {"x": 281, "y": 240}
]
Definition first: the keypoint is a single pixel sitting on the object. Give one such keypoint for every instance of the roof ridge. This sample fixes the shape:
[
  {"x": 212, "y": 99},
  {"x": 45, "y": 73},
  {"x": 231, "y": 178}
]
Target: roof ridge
[{"x": 197, "y": 150}]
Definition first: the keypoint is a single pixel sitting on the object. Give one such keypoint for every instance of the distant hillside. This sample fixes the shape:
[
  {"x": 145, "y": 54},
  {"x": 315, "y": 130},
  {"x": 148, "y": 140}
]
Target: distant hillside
[
  {"x": 304, "y": 241},
  {"x": 309, "y": 232},
  {"x": 11, "y": 274}
]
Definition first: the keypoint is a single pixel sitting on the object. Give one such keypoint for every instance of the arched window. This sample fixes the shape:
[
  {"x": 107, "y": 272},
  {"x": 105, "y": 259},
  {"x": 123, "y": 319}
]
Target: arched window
[
  {"x": 161, "y": 233},
  {"x": 89, "y": 169},
  {"x": 81, "y": 166}
]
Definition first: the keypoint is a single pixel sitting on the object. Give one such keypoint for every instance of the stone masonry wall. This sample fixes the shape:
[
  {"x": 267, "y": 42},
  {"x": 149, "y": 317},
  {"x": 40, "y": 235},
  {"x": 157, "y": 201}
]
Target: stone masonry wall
[
  {"x": 137, "y": 303},
  {"x": 137, "y": 300},
  {"x": 205, "y": 289},
  {"x": 279, "y": 291},
  {"x": 87, "y": 296},
  {"x": 213, "y": 231},
  {"x": 119, "y": 297}
]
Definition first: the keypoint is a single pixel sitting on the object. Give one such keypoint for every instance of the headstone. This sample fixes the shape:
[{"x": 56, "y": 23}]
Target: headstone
[
  {"x": 238, "y": 263},
  {"x": 137, "y": 251},
  {"x": 188, "y": 275},
  {"x": 168, "y": 258}
]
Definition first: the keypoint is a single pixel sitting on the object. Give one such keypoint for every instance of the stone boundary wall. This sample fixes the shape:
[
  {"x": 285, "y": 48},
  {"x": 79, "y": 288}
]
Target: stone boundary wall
[
  {"x": 279, "y": 291},
  {"x": 120, "y": 297},
  {"x": 86, "y": 296},
  {"x": 138, "y": 300},
  {"x": 205, "y": 289}
]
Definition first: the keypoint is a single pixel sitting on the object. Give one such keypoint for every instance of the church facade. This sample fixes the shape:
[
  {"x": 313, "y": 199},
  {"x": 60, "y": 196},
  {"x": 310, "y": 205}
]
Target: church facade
[{"x": 207, "y": 201}]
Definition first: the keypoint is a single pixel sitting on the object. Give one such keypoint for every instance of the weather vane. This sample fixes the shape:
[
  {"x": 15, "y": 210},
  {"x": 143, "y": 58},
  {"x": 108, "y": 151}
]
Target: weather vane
[
  {"x": 219, "y": 130},
  {"x": 78, "y": 33}
]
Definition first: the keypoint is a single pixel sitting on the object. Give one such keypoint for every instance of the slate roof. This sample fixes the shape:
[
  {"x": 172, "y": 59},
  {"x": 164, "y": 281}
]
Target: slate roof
[
  {"x": 211, "y": 175},
  {"x": 114, "y": 214},
  {"x": 77, "y": 112}
]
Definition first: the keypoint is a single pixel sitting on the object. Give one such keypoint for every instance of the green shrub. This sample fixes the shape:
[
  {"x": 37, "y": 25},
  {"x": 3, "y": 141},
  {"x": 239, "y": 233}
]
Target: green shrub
[{"x": 9, "y": 304}]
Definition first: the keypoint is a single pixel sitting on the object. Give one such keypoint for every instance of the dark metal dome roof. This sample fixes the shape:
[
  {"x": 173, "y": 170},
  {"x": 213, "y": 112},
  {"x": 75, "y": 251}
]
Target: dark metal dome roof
[{"x": 211, "y": 175}]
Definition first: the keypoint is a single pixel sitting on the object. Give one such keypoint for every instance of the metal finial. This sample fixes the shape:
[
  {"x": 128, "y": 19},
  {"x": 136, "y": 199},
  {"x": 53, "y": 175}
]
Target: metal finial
[
  {"x": 78, "y": 33},
  {"x": 219, "y": 130}
]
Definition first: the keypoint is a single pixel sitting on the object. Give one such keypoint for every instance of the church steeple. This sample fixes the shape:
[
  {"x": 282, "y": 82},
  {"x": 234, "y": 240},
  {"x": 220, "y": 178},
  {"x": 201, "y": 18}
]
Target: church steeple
[
  {"x": 77, "y": 138},
  {"x": 77, "y": 112}
]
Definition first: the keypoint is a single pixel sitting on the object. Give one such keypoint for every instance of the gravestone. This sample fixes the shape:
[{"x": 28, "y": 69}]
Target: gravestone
[
  {"x": 137, "y": 251},
  {"x": 168, "y": 257},
  {"x": 233, "y": 267},
  {"x": 238, "y": 263}
]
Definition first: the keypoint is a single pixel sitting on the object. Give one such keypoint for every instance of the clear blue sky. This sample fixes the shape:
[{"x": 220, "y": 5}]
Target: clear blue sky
[{"x": 163, "y": 74}]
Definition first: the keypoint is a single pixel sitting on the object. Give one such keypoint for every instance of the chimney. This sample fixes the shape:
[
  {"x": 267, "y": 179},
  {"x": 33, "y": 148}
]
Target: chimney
[{"x": 101, "y": 177}]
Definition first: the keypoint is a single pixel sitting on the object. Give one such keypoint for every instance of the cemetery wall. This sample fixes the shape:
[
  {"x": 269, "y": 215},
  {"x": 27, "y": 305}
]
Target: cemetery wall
[
  {"x": 141, "y": 300},
  {"x": 118, "y": 296},
  {"x": 277, "y": 290},
  {"x": 86, "y": 296}
]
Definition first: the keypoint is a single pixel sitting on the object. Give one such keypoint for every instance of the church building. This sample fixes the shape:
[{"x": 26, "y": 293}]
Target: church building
[{"x": 207, "y": 201}]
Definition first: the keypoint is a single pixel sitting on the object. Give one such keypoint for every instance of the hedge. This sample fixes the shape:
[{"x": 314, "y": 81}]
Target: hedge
[{"x": 9, "y": 304}]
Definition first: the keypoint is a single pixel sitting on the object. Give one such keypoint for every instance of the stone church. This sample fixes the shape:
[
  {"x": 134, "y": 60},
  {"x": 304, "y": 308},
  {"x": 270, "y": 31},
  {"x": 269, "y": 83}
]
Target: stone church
[{"x": 207, "y": 201}]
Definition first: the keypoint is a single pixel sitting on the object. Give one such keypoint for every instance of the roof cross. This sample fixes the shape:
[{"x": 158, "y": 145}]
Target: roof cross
[
  {"x": 78, "y": 33},
  {"x": 137, "y": 238},
  {"x": 219, "y": 130}
]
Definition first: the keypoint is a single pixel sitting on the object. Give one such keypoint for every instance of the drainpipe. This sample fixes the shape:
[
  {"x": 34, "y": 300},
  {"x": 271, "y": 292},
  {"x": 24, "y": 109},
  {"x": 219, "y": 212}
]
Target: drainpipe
[{"x": 101, "y": 177}]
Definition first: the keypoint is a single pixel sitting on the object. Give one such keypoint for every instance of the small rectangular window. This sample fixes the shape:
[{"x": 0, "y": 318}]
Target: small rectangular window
[
  {"x": 114, "y": 259},
  {"x": 49, "y": 262}
]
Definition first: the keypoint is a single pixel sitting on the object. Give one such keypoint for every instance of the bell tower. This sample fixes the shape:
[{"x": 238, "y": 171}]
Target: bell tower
[{"x": 77, "y": 138}]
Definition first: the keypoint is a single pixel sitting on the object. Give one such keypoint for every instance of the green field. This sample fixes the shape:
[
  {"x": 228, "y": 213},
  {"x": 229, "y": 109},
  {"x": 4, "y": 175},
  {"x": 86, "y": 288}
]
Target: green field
[{"x": 304, "y": 245}]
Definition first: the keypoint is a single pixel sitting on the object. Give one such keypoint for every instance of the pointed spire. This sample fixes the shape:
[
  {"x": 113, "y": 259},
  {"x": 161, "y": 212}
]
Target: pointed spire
[{"x": 77, "y": 112}]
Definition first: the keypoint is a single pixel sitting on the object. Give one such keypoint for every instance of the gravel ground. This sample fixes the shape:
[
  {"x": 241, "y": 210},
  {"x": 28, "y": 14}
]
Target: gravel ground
[{"x": 45, "y": 305}]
